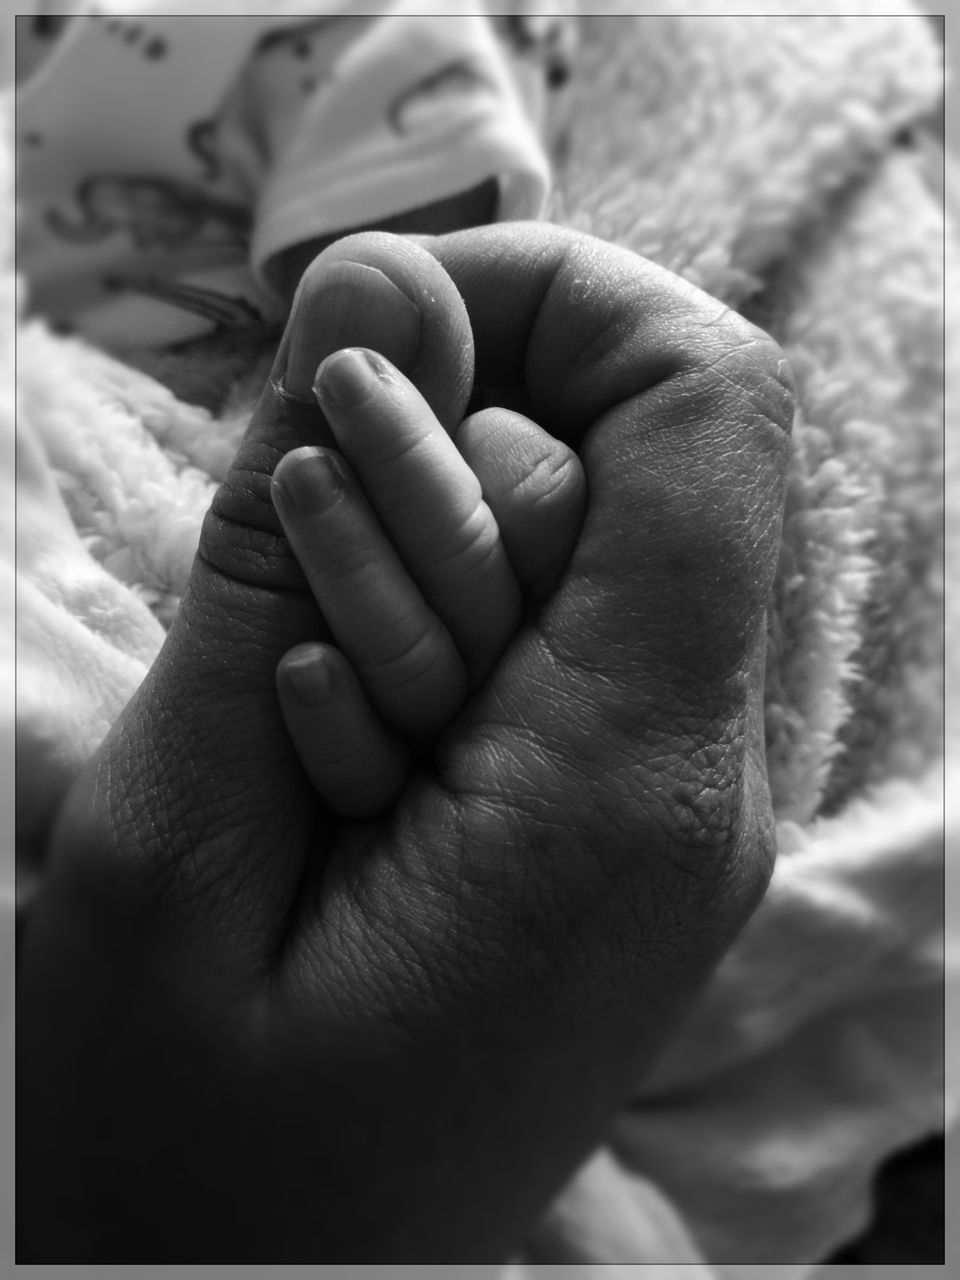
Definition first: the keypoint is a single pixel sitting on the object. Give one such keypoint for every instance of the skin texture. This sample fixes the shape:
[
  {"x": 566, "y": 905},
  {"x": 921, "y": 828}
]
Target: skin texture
[
  {"x": 248, "y": 1031},
  {"x": 400, "y": 539}
]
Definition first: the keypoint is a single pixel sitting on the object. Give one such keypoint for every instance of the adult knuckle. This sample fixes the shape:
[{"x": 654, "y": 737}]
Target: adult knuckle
[
  {"x": 712, "y": 812},
  {"x": 241, "y": 536},
  {"x": 741, "y": 365},
  {"x": 696, "y": 804},
  {"x": 734, "y": 404}
]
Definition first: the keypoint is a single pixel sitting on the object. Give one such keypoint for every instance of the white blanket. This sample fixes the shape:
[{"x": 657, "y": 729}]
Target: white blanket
[{"x": 756, "y": 157}]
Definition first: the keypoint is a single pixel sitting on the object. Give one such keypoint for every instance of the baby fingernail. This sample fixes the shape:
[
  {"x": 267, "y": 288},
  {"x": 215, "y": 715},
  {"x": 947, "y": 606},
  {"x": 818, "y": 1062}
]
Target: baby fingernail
[
  {"x": 310, "y": 678},
  {"x": 309, "y": 480},
  {"x": 347, "y": 378}
]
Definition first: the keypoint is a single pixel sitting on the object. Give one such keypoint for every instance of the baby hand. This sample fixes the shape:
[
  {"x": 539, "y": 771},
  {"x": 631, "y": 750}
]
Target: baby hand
[{"x": 423, "y": 553}]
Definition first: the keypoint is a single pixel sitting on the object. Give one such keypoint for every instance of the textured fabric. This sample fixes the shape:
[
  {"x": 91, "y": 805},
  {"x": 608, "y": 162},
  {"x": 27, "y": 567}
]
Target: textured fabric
[{"x": 768, "y": 160}]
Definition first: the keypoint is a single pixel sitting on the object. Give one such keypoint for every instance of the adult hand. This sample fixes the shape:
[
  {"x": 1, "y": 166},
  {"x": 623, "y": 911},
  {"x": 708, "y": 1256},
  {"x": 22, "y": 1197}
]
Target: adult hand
[{"x": 248, "y": 1031}]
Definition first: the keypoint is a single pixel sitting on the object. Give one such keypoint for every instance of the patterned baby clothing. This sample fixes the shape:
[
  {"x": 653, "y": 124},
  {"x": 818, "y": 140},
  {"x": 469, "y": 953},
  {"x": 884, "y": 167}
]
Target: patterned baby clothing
[{"x": 166, "y": 162}]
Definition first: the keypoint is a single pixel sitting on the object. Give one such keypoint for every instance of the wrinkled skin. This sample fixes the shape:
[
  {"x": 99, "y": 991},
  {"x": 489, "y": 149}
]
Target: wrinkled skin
[{"x": 250, "y": 1032}]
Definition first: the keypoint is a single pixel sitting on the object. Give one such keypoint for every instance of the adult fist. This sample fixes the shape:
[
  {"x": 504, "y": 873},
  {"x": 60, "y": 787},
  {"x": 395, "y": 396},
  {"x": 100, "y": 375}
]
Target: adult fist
[{"x": 249, "y": 1031}]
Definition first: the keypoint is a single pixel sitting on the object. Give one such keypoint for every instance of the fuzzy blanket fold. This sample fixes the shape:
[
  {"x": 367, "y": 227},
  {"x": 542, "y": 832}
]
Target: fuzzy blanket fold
[{"x": 767, "y": 159}]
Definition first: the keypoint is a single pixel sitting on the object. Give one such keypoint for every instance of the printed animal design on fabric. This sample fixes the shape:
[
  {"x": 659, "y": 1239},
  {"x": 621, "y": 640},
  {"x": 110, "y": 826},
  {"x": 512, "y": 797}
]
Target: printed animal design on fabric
[
  {"x": 222, "y": 311},
  {"x": 202, "y": 142},
  {"x": 290, "y": 52},
  {"x": 158, "y": 213},
  {"x": 136, "y": 35},
  {"x": 296, "y": 39},
  {"x": 547, "y": 39}
]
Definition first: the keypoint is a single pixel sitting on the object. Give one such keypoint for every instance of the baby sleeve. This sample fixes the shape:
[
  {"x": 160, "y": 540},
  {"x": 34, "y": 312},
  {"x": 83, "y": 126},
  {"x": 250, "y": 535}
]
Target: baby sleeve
[{"x": 366, "y": 117}]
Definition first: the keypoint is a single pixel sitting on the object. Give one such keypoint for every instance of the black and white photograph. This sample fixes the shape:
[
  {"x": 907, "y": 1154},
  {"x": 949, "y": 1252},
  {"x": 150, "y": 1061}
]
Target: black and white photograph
[{"x": 481, "y": 506}]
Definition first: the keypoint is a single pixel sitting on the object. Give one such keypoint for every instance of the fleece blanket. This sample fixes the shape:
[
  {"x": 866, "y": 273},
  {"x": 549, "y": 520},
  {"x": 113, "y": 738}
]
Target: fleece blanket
[{"x": 777, "y": 161}]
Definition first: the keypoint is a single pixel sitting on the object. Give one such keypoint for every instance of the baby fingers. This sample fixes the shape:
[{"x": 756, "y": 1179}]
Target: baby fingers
[
  {"x": 427, "y": 500},
  {"x": 536, "y": 488},
  {"x": 400, "y": 650},
  {"x": 355, "y": 763}
]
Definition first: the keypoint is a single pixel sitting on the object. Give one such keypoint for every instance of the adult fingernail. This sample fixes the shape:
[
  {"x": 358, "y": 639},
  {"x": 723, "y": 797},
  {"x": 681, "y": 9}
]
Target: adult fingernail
[
  {"x": 348, "y": 378},
  {"x": 308, "y": 480},
  {"x": 348, "y": 304}
]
